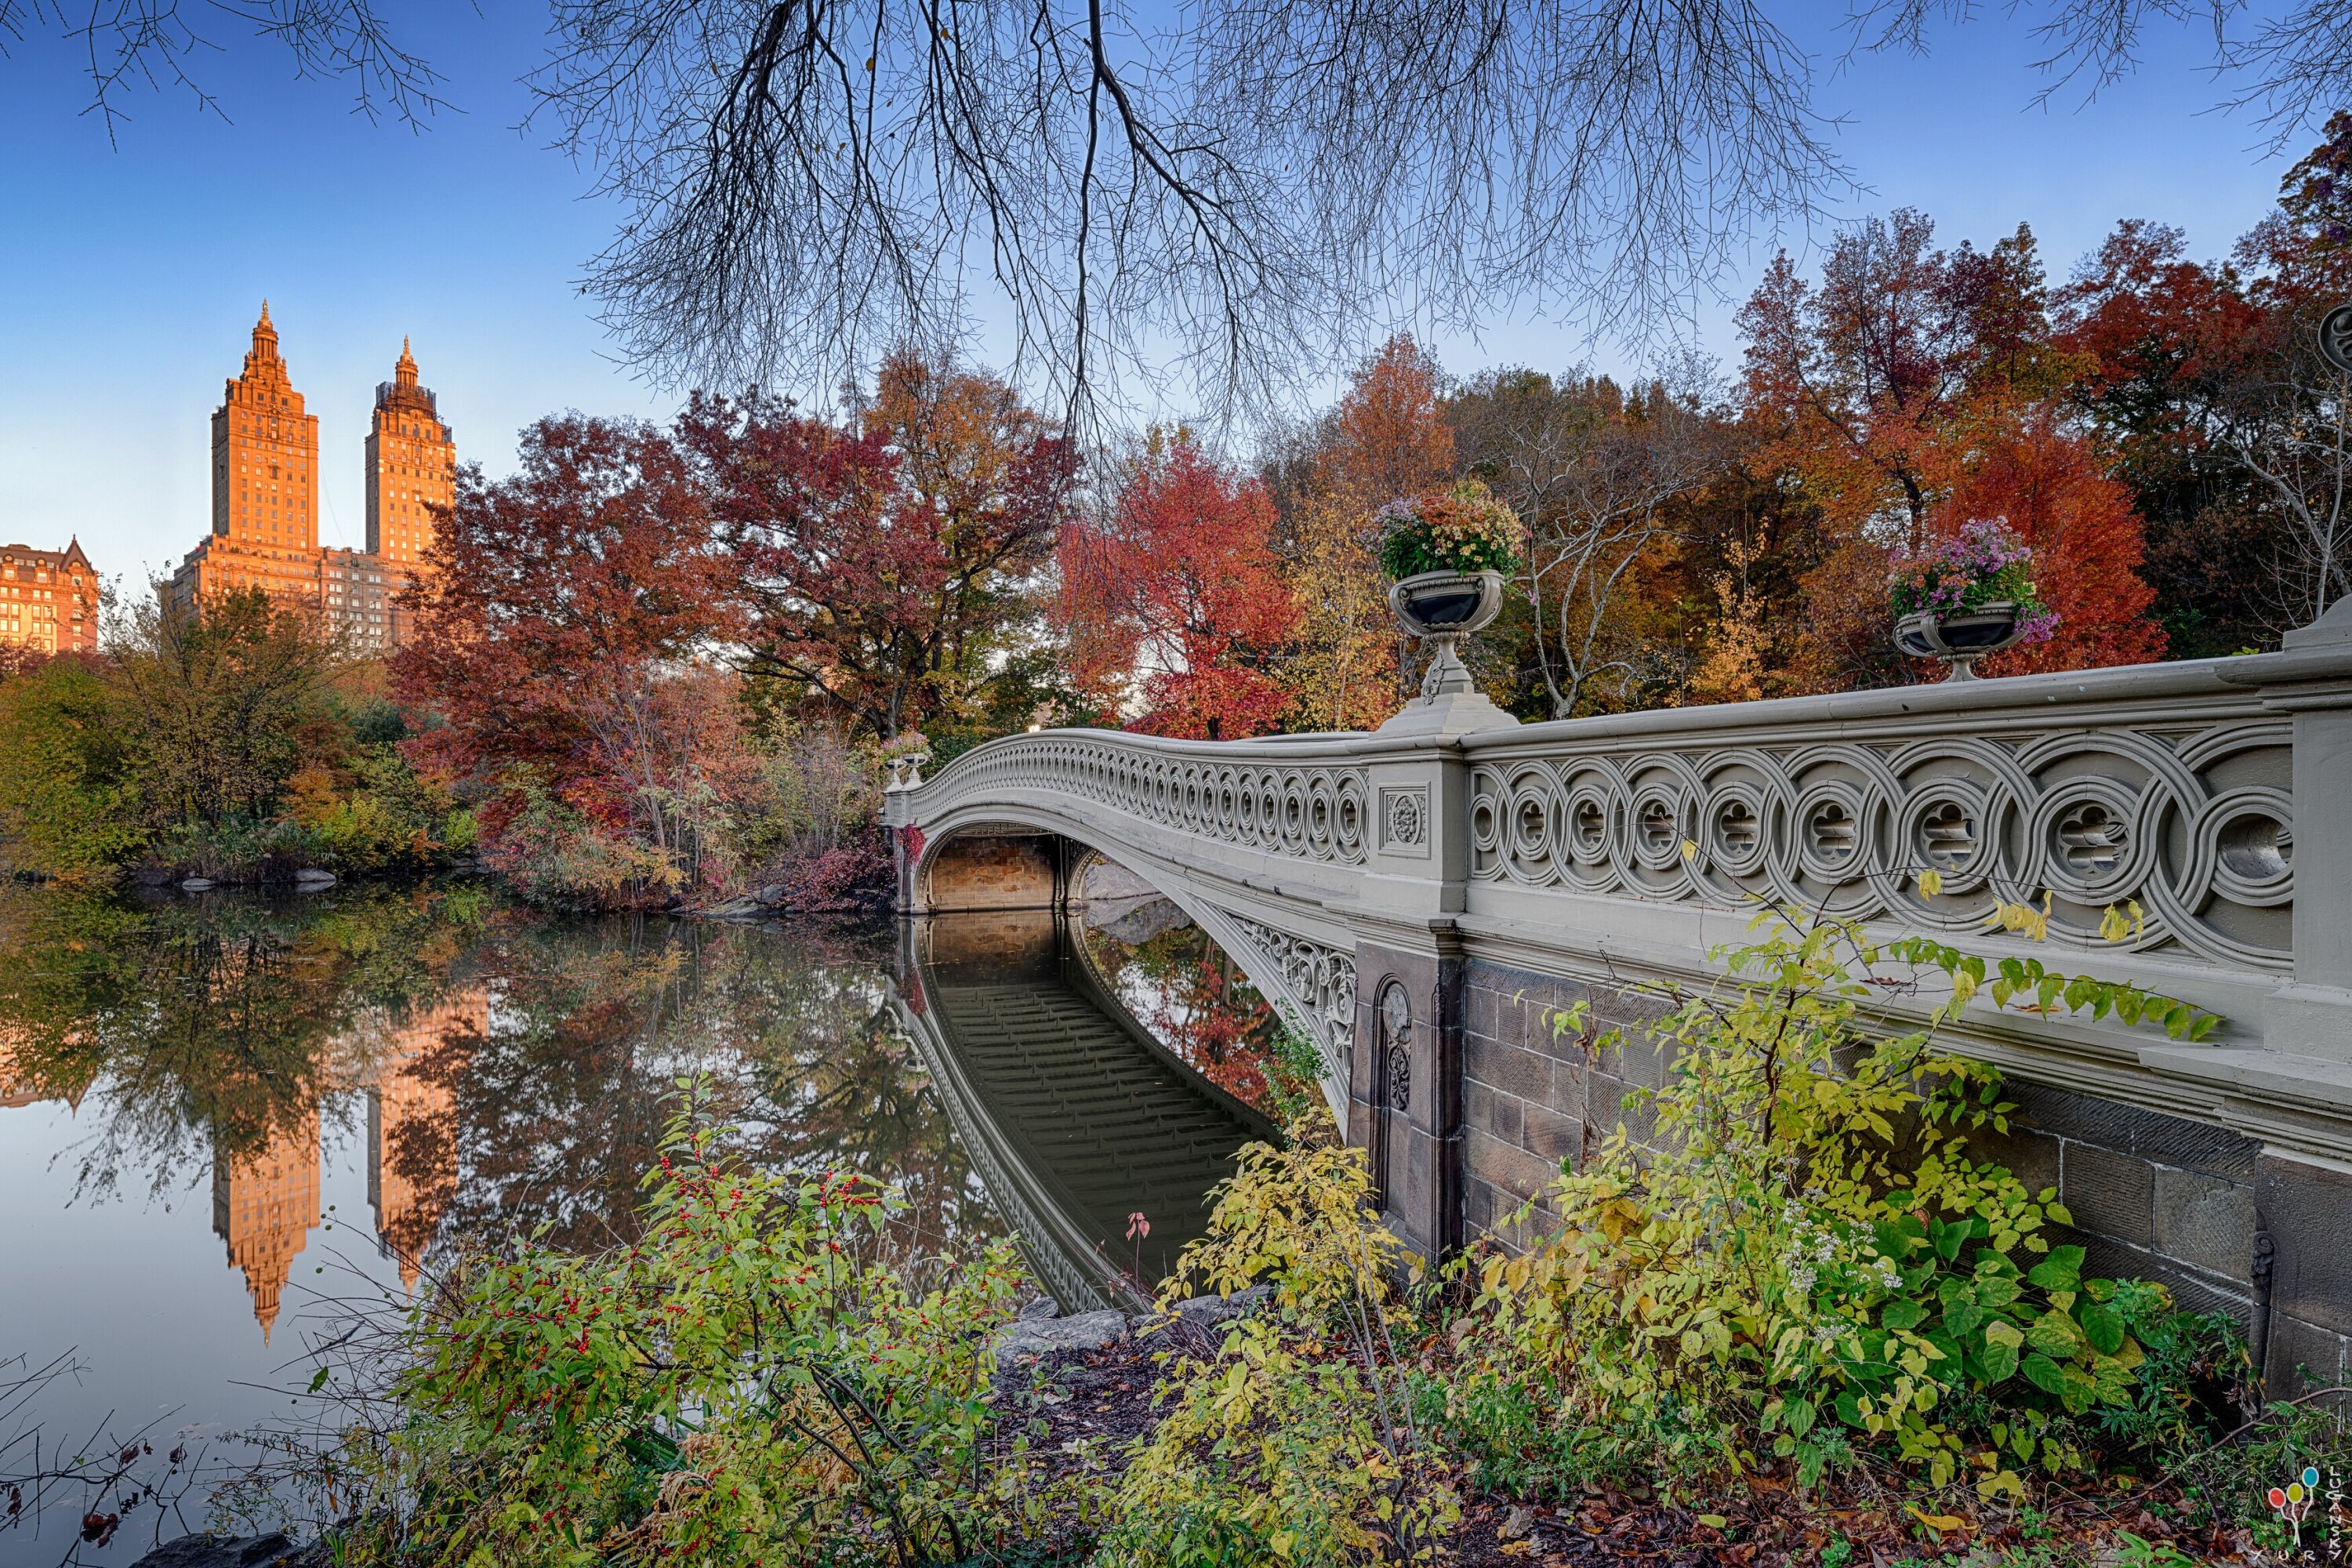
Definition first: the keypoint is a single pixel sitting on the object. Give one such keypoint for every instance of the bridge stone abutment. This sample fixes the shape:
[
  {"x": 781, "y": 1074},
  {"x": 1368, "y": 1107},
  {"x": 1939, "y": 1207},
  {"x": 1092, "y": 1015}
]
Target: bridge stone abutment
[
  {"x": 1432, "y": 898},
  {"x": 1000, "y": 869}
]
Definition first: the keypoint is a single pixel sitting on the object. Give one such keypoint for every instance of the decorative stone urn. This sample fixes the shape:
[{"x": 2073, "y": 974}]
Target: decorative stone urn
[
  {"x": 907, "y": 770},
  {"x": 1958, "y": 640},
  {"x": 1440, "y": 608}
]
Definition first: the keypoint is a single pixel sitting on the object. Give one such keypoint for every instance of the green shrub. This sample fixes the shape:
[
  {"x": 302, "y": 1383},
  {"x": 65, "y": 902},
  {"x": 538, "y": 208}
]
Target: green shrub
[
  {"x": 1295, "y": 1442},
  {"x": 756, "y": 1380},
  {"x": 68, "y": 790},
  {"x": 389, "y": 819},
  {"x": 235, "y": 848},
  {"x": 1808, "y": 1264}
]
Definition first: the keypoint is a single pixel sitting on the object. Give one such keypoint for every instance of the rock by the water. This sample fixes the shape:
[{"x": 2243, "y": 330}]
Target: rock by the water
[
  {"x": 314, "y": 877},
  {"x": 1028, "y": 1338},
  {"x": 195, "y": 884},
  {"x": 1208, "y": 1309},
  {"x": 1107, "y": 881},
  {"x": 1136, "y": 921},
  {"x": 746, "y": 908},
  {"x": 219, "y": 1552}
]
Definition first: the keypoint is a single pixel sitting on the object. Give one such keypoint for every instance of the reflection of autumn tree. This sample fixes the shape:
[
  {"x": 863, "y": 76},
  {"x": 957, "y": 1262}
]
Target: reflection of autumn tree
[
  {"x": 561, "y": 1108},
  {"x": 1195, "y": 1002},
  {"x": 215, "y": 1026},
  {"x": 521, "y": 1069}
]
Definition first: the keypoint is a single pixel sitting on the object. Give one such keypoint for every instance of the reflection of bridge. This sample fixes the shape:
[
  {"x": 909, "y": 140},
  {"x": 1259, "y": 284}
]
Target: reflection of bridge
[
  {"x": 1426, "y": 897},
  {"x": 1074, "y": 1117}
]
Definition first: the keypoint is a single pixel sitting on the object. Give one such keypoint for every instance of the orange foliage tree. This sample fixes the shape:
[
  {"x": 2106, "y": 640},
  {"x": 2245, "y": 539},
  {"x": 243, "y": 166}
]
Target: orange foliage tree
[
  {"x": 2086, "y": 539},
  {"x": 1172, "y": 599},
  {"x": 1915, "y": 388},
  {"x": 1386, "y": 439},
  {"x": 890, "y": 566},
  {"x": 561, "y": 636}
]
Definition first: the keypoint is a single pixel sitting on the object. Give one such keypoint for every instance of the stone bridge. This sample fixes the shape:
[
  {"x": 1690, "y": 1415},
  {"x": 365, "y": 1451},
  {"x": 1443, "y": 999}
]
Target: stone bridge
[{"x": 1428, "y": 897}]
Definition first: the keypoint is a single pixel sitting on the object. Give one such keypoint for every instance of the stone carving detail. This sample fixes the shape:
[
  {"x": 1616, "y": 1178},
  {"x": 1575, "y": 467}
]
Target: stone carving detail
[
  {"x": 1396, "y": 1047},
  {"x": 2191, "y": 819},
  {"x": 1405, "y": 814},
  {"x": 1284, "y": 806},
  {"x": 1322, "y": 978}
]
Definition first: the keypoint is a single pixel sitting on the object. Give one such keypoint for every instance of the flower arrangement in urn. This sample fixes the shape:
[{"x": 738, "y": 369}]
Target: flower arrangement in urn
[
  {"x": 1448, "y": 551},
  {"x": 1968, "y": 595},
  {"x": 904, "y": 755},
  {"x": 1462, "y": 529}
]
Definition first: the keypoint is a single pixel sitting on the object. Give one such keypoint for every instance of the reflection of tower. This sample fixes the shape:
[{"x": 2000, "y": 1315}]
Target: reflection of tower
[
  {"x": 264, "y": 1206},
  {"x": 22, "y": 1081},
  {"x": 17, "y": 1084},
  {"x": 412, "y": 1125}
]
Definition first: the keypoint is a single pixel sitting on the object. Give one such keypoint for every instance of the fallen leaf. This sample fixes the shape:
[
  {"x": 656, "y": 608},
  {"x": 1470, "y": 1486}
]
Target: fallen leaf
[{"x": 1941, "y": 1523}]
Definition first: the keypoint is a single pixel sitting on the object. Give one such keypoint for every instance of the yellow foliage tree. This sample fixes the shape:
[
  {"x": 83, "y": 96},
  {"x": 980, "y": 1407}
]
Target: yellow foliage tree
[{"x": 1385, "y": 439}]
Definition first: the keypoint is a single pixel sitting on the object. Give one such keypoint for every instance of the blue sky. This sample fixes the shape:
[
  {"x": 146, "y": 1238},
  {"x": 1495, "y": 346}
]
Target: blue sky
[{"x": 130, "y": 273}]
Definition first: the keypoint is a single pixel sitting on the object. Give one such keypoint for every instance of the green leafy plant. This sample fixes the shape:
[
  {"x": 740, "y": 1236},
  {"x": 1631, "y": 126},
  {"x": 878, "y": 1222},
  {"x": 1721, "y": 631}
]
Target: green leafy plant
[
  {"x": 753, "y": 1380},
  {"x": 1463, "y": 528},
  {"x": 1295, "y": 1442},
  {"x": 1805, "y": 1260}
]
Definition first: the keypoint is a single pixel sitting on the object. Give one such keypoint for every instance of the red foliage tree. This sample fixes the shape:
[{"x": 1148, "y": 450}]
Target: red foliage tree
[
  {"x": 559, "y": 627},
  {"x": 1856, "y": 385},
  {"x": 1174, "y": 597},
  {"x": 885, "y": 566},
  {"x": 2051, "y": 485}
]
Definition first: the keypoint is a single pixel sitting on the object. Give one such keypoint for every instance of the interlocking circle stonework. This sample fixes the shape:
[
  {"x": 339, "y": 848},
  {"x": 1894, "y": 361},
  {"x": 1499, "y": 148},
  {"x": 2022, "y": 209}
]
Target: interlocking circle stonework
[
  {"x": 1287, "y": 807},
  {"x": 2192, "y": 823}
]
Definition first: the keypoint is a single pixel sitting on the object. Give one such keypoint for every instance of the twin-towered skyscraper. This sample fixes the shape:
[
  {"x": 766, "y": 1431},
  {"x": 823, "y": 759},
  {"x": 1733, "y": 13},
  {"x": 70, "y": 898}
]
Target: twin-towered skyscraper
[{"x": 266, "y": 499}]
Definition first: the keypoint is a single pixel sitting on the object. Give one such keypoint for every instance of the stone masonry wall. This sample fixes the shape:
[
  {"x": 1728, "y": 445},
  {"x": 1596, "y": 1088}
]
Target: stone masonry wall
[
  {"x": 1006, "y": 871},
  {"x": 2152, "y": 1197}
]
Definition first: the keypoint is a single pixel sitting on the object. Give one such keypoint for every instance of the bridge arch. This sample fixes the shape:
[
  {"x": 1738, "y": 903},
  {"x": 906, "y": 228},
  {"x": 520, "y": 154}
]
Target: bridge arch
[
  {"x": 1026, "y": 854},
  {"x": 1506, "y": 872}
]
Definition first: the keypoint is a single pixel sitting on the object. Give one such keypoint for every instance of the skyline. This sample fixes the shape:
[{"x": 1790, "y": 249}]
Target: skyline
[{"x": 464, "y": 239}]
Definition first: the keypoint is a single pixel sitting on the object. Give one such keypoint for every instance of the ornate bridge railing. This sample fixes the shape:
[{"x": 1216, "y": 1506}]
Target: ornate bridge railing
[
  {"x": 1294, "y": 798},
  {"x": 1428, "y": 896},
  {"x": 1260, "y": 840},
  {"x": 2168, "y": 787}
]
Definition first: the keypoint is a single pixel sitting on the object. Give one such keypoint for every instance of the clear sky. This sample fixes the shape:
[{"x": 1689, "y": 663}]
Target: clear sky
[{"x": 131, "y": 272}]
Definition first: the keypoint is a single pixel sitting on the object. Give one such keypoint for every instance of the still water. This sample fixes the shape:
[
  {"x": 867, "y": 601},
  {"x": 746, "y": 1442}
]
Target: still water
[{"x": 227, "y": 1118}]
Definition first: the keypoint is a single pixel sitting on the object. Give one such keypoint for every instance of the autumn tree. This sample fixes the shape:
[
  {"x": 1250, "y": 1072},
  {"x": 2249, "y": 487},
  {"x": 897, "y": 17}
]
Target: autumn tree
[
  {"x": 1386, "y": 439},
  {"x": 2233, "y": 430},
  {"x": 1857, "y": 383},
  {"x": 2155, "y": 336},
  {"x": 891, "y": 564},
  {"x": 1172, "y": 600},
  {"x": 1912, "y": 389},
  {"x": 563, "y": 634},
  {"x": 1606, "y": 482},
  {"x": 2051, "y": 485}
]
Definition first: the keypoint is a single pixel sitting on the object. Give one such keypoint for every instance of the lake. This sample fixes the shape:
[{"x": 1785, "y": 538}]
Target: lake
[{"x": 228, "y": 1119}]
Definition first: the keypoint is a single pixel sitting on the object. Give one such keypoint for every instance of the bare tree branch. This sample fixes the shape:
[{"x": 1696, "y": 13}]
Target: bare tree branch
[
  {"x": 129, "y": 44},
  {"x": 1230, "y": 202},
  {"x": 2291, "y": 67}
]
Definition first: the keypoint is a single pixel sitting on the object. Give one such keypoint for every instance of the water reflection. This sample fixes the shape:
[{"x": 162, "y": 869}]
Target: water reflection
[
  {"x": 419, "y": 1065},
  {"x": 1078, "y": 1117}
]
